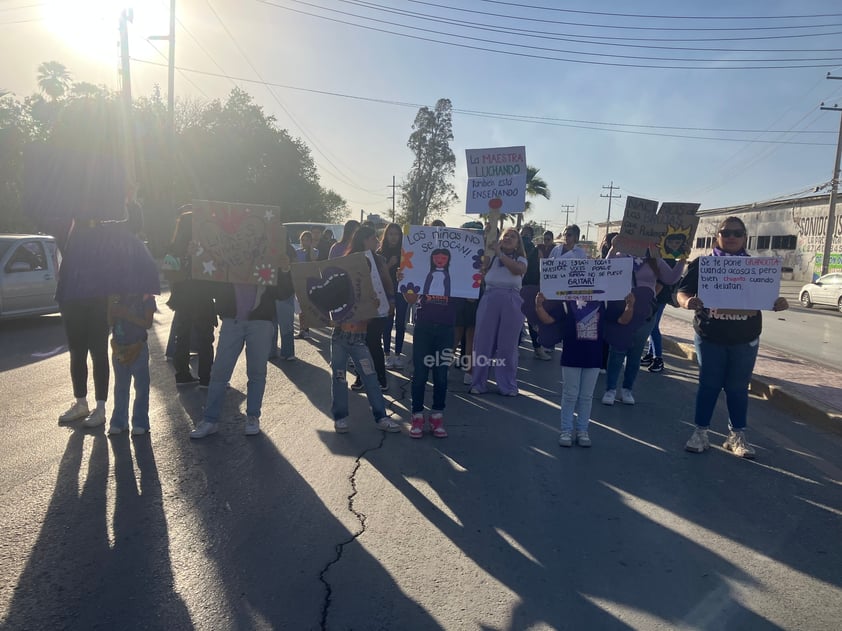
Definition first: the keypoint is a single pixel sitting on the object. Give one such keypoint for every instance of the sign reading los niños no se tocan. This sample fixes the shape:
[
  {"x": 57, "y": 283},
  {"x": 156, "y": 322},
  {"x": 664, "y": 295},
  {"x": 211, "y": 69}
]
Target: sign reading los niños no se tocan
[{"x": 496, "y": 180}]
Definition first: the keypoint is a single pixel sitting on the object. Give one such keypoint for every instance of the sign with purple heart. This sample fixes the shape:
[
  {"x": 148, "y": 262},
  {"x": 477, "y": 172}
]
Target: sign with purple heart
[
  {"x": 336, "y": 291},
  {"x": 441, "y": 262}
]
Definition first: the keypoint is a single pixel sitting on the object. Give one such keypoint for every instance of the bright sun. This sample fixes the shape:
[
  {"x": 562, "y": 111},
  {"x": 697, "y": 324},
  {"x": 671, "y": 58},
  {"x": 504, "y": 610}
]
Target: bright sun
[{"x": 91, "y": 27}]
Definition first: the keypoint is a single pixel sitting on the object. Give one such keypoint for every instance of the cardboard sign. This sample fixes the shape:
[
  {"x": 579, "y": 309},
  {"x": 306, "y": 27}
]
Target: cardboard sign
[
  {"x": 739, "y": 282},
  {"x": 337, "y": 290},
  {"x": 496, "y": 180},
  {"x": 237, "y": 243},
  {"x": 586, "y": 279},
  {"x": 441, "y": 262},
  {"x": 646, "y": 231}
]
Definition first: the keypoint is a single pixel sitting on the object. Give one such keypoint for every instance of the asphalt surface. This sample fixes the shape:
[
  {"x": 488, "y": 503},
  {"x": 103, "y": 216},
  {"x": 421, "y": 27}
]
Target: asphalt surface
[{"x": 495, "y": 527}]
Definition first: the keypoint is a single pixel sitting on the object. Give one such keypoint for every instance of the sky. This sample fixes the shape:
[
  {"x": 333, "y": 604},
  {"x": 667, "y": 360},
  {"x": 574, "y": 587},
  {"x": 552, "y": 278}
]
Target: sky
[{"x": 599, "y": 93}]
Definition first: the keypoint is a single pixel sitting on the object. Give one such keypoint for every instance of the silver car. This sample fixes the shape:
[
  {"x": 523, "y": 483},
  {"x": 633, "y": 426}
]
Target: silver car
[
  {"x": 826, "y": 290},
  {"x": 28, "y": 273}
]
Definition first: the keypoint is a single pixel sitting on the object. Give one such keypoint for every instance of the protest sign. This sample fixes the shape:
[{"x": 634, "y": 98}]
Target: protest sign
[
  {"x": 739, "y": 282},
  {"x": 496, "y": 180},
  {"x": 647, "y": 231},
  {"x": 586, "y": 279},
  {"x": 237, "y": 243},
  {"x": 335, "y": 291},
  {"x": 441, "y": 262}
]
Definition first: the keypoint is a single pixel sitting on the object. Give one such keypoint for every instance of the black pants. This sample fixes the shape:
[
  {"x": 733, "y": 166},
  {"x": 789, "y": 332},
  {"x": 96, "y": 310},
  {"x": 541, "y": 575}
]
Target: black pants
[
  {"x": 86, "y": 327},
  {"x": 374, "y": 341},
  {"x": 194, "y": 327}
]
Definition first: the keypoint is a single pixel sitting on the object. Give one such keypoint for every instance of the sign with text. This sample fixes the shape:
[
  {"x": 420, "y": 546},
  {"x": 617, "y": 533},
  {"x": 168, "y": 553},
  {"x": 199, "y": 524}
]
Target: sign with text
[
  {"x": 586, "y": 279},
  {"x": 664, "y": 233},
  {"x": 237, "y": 243},
  {"x": 739, "y": 282},
  {"x": 441, "y": 262},
  {"x": 496, "y": 180},
  {"x": 336, "y": 290}
]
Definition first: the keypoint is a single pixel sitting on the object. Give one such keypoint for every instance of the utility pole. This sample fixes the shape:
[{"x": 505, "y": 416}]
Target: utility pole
[
  {"x": 170, "y": 98},
  {"x": 588, "y": 225},
  {"x": 566, "y": 210},
  {"x": 610, "y": 196},
  {"x": 126, "y": 16},
  {"x": 834, "y": 187},
  {"x": 393, "y": 187}
]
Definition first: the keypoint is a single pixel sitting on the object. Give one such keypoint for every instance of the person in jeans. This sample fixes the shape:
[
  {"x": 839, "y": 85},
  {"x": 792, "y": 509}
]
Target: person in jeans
[
  {"x": 283, "y": 346},
  {"x": 391, "y": 245},
  {"x": 130, "y": 316},
  {"x": 248, "y": 319},
  {"x": 349, "y": 341},
  {"x": 726, "y": 349}
]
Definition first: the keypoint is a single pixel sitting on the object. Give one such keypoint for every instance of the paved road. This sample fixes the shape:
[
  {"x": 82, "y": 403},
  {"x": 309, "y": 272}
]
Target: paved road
[{"x": 495, "y": 527}]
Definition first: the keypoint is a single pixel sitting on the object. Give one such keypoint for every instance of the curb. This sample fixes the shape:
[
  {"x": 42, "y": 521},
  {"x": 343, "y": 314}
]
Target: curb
[{"x": 805, "y": 410}]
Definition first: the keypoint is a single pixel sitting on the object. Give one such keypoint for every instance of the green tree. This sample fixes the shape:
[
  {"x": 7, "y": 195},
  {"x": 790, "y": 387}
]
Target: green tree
[
  {"x": 427, "y": 190},
  {"x": 53, "y": 79},
  {"x": 535, "y": 187}
]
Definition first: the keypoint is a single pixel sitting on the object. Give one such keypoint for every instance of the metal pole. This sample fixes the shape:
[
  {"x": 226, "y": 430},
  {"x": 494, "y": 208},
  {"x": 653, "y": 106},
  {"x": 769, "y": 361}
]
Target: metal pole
[
  {"x": 834, "y": 187},
  {"x": 171, "y": 77}
]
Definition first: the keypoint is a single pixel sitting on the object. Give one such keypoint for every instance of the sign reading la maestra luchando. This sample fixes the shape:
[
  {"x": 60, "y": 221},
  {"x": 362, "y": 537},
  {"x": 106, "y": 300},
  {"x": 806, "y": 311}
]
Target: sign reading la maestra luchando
[{"x": 496, "y": 180}]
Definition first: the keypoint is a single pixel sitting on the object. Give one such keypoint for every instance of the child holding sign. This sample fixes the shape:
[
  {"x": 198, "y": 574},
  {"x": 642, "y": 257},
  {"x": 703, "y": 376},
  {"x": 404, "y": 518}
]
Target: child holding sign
[{"x": 580, "y": 325}]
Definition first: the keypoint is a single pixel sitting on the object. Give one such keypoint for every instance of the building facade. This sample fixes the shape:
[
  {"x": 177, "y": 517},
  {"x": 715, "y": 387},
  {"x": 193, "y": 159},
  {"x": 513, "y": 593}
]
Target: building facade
[{"x": 793, "y": 229}]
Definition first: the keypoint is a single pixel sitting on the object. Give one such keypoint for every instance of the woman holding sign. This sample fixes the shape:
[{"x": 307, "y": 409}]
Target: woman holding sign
[
  {"x": 499, "y": 318},
  {"x": 726, "y": 349}
]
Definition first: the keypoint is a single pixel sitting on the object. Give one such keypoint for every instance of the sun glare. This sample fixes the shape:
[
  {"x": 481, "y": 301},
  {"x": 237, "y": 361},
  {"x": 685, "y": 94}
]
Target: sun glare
[{"x": 92, "y": 28}]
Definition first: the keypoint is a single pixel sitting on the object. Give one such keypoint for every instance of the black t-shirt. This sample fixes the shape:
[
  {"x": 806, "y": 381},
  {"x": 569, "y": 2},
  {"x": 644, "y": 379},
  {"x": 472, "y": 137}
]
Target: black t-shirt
[{"x": 720, "y": 328}]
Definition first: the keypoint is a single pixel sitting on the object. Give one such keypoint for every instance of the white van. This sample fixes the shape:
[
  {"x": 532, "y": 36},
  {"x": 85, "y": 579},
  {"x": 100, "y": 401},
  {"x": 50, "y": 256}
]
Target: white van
[{"x": 295, "y": 228}]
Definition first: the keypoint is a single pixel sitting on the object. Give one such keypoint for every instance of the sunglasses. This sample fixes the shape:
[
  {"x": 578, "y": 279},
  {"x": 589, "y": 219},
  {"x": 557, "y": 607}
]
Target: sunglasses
[{"x": 733, "y": 233}]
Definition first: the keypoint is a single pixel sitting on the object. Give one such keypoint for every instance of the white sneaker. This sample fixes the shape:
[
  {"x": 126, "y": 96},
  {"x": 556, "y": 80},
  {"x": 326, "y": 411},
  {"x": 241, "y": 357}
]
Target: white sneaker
[
  {"x": 468, "y": 379},
  {"x": 397, "y": 362},
  {"x": 626, "y": 396},
  {"x": 204, "y": 429},
  {"x": 388, "y": 425},
  {"x": 583, "y": 439},
  {"x": 609, "y": 397},
  {"x": 96, "y": 418},
  {"x": 139, "y": 431},
  {"x": 115, "y": 430},
  {"x": 565, "y": 439},
  {"x": 75, "y": 412},
  {"x": 340, "y": 426},
  {"x": 390, "y": 361},
  {"x": 252, "y": 426}
]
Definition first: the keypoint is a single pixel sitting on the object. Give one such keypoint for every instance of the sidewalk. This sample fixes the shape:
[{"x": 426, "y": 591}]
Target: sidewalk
[{"x": 794, "y": 385}]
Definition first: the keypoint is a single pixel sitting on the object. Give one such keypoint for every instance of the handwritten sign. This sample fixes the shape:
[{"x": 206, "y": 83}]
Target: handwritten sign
[
  {"x": 739, "y": 282},
  {"x": 441, "y": 262},
  {"x": 496, "y": 180},
  {"x": 663, "y": 233},
  {"x": 337, "y": 290},
  {"x": 586, "y": 279},
  {"x": 237, "y": 243}
]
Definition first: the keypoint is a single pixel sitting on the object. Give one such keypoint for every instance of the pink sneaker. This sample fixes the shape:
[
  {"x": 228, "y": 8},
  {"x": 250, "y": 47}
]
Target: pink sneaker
[
  {"x": 437, "y": 424},
  {"x": 416, "y": 428}
]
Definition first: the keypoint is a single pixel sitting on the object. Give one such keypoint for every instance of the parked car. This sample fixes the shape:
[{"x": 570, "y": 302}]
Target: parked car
[
  {"x": 28, "y": 273},
  {"x": 295, "y": 228},
  {"x": 826, "y": 290}
]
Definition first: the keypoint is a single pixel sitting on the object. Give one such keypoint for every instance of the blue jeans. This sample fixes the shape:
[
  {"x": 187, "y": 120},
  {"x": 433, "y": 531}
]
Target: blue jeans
[
  {"x": 399, "y": 321},
  {"x": 123, "y": 375},
  {"x": 577, "y": 397},
  {"x": 343, "y": 345},
  {"x": 432, "y": 347},
  {"x": 656, "y": 343},
  {"x": 256, "y": 335},
  {"x": 726, "y": 368},
  {"x": 631, "y": 356},
  {"x": 285, "y": 322}
]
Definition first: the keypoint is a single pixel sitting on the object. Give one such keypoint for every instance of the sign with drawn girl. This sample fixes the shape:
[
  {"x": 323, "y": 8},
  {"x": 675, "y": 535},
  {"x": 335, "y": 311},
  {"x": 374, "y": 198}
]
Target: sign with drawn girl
[{"x": 440, "y": 261}]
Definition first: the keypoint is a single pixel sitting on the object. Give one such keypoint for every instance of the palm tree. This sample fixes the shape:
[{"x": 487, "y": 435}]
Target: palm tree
[
  {"x": 535, "y": 187},
  {"x": 53, "y": 79}
]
